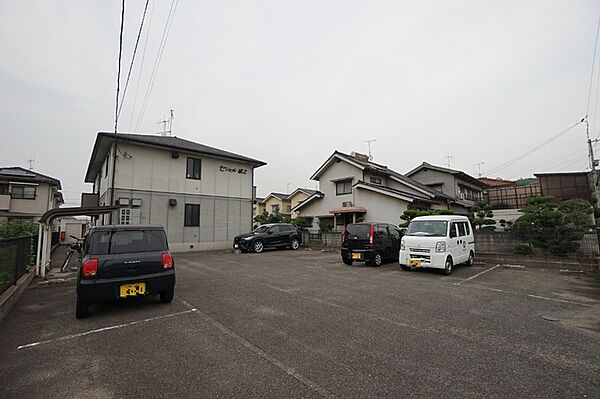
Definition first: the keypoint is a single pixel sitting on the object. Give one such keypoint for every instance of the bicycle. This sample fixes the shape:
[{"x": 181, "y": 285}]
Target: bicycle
[{"x": 71, "y": 248}]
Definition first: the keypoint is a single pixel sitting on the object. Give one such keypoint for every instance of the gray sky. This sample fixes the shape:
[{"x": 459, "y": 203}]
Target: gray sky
[{"x": 290, "y": 82}]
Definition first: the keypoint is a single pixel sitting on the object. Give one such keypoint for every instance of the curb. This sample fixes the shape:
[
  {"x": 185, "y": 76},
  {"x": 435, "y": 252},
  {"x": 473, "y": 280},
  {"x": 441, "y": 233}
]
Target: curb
[{"x": 9, "y": 298}]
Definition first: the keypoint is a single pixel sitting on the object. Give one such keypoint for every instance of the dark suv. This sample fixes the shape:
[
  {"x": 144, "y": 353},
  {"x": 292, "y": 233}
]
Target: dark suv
[
  {"x": 372, "y": 243},
  {"x": 275, "y": 235},
  {"x": 124, "y": 261}
]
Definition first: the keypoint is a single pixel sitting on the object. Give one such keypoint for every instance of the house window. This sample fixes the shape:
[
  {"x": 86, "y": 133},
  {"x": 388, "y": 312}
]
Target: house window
[
  {"x": 375, "y": 180},
  {"x": 194, "y": 168},
  {"x": 192, "y": 215},
  {"x": 125, "y": 216},
  {"x": 3, "y": 189},
  {"x": 275, "y": 208},
  {"x": 23, "y": 192},
  {"x": 343, "y": 187}
]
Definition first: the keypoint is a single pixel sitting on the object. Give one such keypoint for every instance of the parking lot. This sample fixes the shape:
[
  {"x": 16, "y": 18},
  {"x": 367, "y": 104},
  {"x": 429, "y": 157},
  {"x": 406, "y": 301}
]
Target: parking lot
[{"x": 302, "y": 324}]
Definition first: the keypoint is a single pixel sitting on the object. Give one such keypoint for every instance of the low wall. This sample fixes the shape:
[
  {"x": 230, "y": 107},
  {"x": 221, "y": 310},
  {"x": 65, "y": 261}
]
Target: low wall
[{"x": 332, "y": 240}]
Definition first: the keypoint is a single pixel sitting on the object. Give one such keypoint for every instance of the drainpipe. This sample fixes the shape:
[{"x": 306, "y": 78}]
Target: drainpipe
[{"x": 38, "y": 258}]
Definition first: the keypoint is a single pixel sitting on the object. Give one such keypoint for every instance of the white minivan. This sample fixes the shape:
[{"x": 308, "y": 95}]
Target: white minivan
[{"x": 437, "y": 242}]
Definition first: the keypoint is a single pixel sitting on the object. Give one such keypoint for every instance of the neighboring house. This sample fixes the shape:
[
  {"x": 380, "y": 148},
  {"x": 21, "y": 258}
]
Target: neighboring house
[
  {"x": 464, "y": 189},
  {"x": 352, "y": 188},
  {"x": 26, "y": 194},
  {"x": 496, "y": 182},
  {"x": 565, "y": 185},
  {"x": 276, "y": 203},
  {"x": 257, "y": 207},
  {"x": 203, "y": 196},
  {"x": 299, "y": 196}
]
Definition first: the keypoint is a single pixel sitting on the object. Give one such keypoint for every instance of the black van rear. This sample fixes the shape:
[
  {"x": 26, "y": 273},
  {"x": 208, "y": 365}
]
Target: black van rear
[
  {"x": 124, "y": 261},
  {"x": 372, "y": 243}
]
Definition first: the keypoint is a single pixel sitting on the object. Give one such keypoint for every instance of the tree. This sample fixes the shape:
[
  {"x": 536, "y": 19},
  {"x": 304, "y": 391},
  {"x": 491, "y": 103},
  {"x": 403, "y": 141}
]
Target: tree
[
  {"x": 302, "y": 223},
  {"x": 545, "y": 224},
  {"x": 274, "y": 217},
  {"x": 578, "y": 212},
  {"x": 18, "y": 228},
  {"x": 410, "y": 214},
  {"x": 483, "y": 215}
]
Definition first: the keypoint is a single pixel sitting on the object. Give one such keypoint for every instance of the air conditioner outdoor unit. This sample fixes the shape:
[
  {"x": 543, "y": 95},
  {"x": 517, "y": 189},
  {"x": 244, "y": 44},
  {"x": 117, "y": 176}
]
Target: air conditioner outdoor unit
[{"x": 346, "y": 204}]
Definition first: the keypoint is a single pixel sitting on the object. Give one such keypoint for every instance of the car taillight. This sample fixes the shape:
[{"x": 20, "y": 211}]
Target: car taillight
[
  {"x": 90, "y": 268},
  {"x": 371, "y": 233},
  {"x": 167, "y": 261}
]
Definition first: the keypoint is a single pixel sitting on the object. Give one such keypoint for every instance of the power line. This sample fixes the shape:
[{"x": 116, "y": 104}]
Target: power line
[
  {"x": 159, "y": 54},
  {"x": 531, "y": 151},
  {"x": 137, "y": 87},
  {"x": 133, "y": 58},
  {"x": 119, "y": 67},
  {"x": 593, "y": 67}
]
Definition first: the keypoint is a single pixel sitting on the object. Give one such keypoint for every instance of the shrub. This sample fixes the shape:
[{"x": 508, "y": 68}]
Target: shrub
[
  {"x": 17, "y": 228},
  {"x": 522, "y": 249}
]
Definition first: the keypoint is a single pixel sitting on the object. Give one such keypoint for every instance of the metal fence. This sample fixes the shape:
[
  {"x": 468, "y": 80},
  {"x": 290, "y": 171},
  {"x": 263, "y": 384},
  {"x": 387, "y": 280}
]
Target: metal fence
[
  {"x": 16, "y": 256},
  {"x": 506, "y": 242}
]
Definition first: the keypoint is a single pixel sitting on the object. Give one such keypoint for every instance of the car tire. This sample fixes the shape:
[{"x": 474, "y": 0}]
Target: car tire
[
  {"x": 347, "y": 261},
  {"x": 243, "y": 250},
  {"x": 82, "y": 309},
  {"x": 448, "y": 266},
  {"x": 406, "y": 268},
  {"x": 377, "y": 260},
  {"x": 167, "y": 296},
  {"x": 471, "y": 259},
  {"x": 294, "y": 244},
  {"x": 258, "y": 246}
]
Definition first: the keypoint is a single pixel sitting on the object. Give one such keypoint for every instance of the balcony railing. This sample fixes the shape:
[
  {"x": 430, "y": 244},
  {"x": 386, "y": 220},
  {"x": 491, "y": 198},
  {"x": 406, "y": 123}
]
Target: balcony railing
[{"x": 4, "y": 202}]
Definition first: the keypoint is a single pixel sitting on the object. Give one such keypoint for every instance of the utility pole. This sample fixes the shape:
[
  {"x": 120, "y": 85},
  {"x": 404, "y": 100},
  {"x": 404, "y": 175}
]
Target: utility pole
[
  {"x": 369, "y": 144},
  {"x": 593, "y": 161},
  {"x": 479, "y": 167}
]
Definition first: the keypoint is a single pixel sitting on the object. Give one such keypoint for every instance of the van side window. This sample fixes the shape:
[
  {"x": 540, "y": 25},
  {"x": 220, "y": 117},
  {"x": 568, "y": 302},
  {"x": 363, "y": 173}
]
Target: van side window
[
  {"x": 453, "y": 232},
  {"x": 381, "y": 231},
  {"x": 467, "y": 228},
  {"x": 461, "y": 229},
  {"x": 394, "y": 232}
]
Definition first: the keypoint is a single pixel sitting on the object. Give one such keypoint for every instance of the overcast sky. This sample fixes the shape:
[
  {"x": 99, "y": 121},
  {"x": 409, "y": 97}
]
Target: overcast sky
[{"x": 289, "y": 82}]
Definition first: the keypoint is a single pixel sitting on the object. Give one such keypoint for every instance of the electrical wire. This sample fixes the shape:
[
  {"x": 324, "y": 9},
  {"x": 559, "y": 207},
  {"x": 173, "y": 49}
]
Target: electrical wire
[
  {"x": 159, "y": 54},
  {"x": 532, "y": 150},
  {"x": 593, "y": 65},
  {"x": 137, "y": 41},
  {"x": 119, "y": 67},
  {"x": 137, "y": 87},
  {"x": 547, "y": 165}
]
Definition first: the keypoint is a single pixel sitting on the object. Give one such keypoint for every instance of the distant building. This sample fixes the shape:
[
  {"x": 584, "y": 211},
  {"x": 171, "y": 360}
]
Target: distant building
[
  {"x": 496, "y": 182},
  {"x": 26, "y": 194},
  {"x": 565, "y": 185},
  {"x": 203, "y": 196}
]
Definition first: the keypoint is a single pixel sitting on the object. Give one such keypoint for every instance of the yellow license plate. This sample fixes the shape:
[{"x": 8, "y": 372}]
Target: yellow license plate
[
  {"x": 356, "y": 256},
  {"x": 132, "y": 289},
  {"x": 415, "y": 262}
]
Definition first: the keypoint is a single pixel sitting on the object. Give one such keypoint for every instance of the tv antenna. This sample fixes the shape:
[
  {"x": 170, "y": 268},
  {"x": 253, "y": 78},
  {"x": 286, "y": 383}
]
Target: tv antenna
[
  {"x": 31, "y": 161},
  {"x": 449, "y": 159},
  {"x": 479, "y": 167},
  {"x": 369, "y": 144},
  {"x": 166, "y": 121}
]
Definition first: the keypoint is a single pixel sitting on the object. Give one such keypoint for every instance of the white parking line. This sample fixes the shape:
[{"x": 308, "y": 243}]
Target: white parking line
[
  {"x": 274, "y": 361},
  {"x": 99, "y": 330},
  {"x": 477, "y": 275}
]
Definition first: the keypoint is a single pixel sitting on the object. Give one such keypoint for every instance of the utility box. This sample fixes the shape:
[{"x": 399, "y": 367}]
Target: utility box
[{"x": 89, "y": 200}]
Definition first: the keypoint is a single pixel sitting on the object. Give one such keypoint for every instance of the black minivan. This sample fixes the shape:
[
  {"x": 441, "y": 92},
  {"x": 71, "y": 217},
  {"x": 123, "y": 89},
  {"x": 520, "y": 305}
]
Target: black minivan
[
  {"x": 372, "y": 243},
  {"x": 123, "y": 261}
]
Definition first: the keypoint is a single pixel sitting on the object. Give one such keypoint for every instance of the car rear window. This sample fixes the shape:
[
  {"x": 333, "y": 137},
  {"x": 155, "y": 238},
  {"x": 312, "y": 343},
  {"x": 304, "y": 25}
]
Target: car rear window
[
  {"x": 358, "y": 230},
  {"x": 126, "y": 241}
]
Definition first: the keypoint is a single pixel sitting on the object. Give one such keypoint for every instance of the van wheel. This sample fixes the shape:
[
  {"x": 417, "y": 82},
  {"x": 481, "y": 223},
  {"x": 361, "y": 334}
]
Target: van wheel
[
  {"x": 448, "y": 266},
  {"x": 82, "y": 309},
  {"x": 258, "y": 246},
  {"x": 167, "y": 296},
  {"x": 469, "y": 262},
  {"x": 294, "y": 244},
  {"x": 377, "y": 260}
]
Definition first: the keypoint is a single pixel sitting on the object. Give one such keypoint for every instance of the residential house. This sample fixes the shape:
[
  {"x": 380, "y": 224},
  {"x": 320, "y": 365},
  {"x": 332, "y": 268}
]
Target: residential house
[
  {"x": 276, "y": 203},
  {"x": 257, "y": 208},
  {"x": 566, "y": 185},
  {"x": 464, "y": 189},
  {"x": 299, "y": 196},
  {"x": 352, "y": 188},
  {"x": 202, "y": 195},
  {"x": 26, "y": 194}
]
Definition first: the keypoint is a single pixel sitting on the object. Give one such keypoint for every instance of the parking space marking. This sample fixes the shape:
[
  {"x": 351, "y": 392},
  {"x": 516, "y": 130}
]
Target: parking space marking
[
  {"x": 477, "y": 275},
  {"x": 482, "y": 287},
  {"x": 250, "y": 346},
  {"x": 103, "y": 329}
]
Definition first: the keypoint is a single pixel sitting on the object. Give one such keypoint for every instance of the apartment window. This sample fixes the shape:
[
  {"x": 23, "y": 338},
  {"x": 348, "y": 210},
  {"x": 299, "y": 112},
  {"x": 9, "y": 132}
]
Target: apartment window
[
  {"x": 23, "y": 192},
  {"x": 125, "y": 216},
  {"x": 375, "y": 180},
  {"x": 192, "y": 215},
  {"x": 3, "y": 188},
  {"x": 275, "y": 208},
  {"x": 343, "y": 187},
  {"x": 194, "y": 168}
]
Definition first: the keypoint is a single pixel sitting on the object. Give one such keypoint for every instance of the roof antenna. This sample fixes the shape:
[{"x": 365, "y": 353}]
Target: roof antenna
[
  {"x": 164, "y": 123},
  {"x": 449, "y": 159},
  {"x": 369, "y": 144},
  {"x": 479, "y": 167},
  {"x": 31, "y": 162}
]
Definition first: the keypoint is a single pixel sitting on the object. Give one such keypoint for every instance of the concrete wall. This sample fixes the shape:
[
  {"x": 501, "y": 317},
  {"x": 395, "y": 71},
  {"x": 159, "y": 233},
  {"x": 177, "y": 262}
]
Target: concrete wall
[{"x": 381, "y": 208}]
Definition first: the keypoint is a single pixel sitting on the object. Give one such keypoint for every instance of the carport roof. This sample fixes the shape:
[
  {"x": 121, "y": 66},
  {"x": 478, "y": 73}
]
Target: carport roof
[{"x": 77, "y": 211}]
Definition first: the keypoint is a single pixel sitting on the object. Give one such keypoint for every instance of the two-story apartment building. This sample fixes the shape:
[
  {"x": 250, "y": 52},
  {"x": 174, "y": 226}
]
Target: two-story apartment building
[
  {"x": 464, "y": 189},
  {"x": 352, "y": 188},
  {"x": 26, "y": 194},
  {"x": 202, "y": 195}
]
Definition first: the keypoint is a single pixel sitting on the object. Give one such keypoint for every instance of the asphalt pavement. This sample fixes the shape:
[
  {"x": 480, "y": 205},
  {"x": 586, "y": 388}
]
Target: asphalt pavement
[{"x": 301, "y": 324}]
